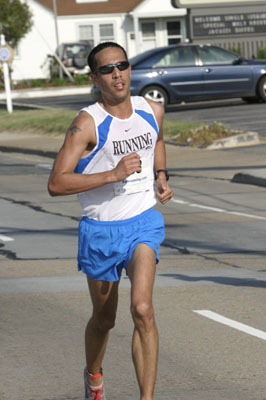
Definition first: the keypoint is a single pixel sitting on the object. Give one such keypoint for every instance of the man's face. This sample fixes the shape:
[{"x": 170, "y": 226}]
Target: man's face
[{"x": 116, "y": 85}]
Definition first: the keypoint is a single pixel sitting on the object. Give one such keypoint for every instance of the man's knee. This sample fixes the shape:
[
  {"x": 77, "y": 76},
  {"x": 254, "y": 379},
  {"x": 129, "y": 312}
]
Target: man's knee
[
  {"x": 142, "y": 313},
  {"x": 103, "y": 323}
]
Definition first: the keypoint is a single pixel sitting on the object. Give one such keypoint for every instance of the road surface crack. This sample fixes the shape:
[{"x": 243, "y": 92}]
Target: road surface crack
[{"x": 37, "y": 208}]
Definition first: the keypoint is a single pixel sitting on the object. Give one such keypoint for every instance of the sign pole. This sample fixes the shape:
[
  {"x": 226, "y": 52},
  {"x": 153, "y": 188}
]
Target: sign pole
[{"x": 4, "y": 57}]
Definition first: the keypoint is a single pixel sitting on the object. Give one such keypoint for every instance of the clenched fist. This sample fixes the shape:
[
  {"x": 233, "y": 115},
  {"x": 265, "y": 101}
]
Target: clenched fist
[{"x": 127, "y": 166}]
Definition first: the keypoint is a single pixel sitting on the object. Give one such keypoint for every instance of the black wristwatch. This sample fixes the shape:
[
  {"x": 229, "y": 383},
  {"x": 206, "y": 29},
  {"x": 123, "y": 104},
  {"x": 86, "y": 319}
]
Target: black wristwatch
[{"x": 162, "y": 170}]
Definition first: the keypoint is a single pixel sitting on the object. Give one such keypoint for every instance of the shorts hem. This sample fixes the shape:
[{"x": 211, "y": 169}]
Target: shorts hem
[{"x": 96, "y": 278}]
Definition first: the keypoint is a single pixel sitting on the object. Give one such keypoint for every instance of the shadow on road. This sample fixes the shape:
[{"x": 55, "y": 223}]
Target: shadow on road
[{"x": 222, "y": 280}]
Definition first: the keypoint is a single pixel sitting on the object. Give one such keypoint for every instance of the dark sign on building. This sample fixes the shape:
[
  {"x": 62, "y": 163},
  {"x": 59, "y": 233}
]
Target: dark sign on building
[
  {"x": 237, "y": 25},
  {"x": 229, "y": 24}
]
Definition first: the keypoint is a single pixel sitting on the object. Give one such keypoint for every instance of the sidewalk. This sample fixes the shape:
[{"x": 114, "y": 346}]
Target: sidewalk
[
  {"x": 47, "y": 92},
  {"x": 243, "y": 166}
]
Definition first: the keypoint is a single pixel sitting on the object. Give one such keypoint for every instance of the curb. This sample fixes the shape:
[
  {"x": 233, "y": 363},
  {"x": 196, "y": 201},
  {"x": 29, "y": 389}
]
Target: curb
[
  {"x": 243, "y": 139},
  {"x": 22, "y": 150},
  {"x": 256, "y": 177},
  {"x": 26, "y": 106}
]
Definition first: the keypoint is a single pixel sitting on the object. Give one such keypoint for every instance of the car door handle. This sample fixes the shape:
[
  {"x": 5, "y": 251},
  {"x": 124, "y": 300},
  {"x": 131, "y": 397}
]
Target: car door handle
[
  {"x": 162, "y": 72},
  {"x": 207, "y": 70}
]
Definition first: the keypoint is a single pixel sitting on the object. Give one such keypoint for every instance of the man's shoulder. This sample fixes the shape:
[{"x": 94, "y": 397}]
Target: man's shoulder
[
  {"x": 157, "y": 108},
  {"x": 94, "y": 112},
  {"x": 144, "y": 102},
  {"x": 90, "y": 108}
]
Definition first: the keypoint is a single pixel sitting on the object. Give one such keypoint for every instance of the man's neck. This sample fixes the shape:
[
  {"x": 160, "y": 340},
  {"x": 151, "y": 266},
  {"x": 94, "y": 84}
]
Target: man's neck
[{"x": 121, "y": 110}]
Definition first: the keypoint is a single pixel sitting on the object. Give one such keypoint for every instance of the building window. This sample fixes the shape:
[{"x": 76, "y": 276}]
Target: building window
[
  {"x": 148, "y": 35},
  {"x": 174, "y": 35},
  {"x": 96, "y": 33},
  {"x": 106, "y": 32},
  {"x": 86, "y": 33}
]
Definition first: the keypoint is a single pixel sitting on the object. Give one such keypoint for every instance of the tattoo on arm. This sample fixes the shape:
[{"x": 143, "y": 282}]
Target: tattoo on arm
[{"x": 74, "y": 129}]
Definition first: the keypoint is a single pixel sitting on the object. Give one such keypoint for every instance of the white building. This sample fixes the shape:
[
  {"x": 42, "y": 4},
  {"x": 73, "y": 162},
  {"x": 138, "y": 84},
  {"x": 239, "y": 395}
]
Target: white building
[{"x": 135, "y": 24}]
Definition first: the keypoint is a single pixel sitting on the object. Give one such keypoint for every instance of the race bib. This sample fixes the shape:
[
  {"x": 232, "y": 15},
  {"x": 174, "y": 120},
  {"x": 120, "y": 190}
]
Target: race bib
[{"x": 137, "y": 182}]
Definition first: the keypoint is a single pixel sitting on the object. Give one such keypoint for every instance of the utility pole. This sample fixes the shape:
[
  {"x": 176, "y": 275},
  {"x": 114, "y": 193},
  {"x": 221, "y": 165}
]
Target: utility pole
[
  {"x": 55, "y": 21},
  {"x": 56, "y": 33}
]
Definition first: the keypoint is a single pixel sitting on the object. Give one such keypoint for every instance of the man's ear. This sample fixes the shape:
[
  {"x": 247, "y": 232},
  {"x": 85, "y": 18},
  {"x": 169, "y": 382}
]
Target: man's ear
[{"x": 94, "y": 79}]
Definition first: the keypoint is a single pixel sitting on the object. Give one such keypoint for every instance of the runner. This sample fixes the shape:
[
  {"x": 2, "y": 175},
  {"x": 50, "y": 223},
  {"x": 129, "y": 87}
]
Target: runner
[{"x": 111, "y": 154}]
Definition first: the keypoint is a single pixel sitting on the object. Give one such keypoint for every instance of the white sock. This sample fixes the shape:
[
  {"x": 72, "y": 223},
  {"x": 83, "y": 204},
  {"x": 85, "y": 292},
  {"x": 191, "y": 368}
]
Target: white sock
[{"x": 96, "y": 387}]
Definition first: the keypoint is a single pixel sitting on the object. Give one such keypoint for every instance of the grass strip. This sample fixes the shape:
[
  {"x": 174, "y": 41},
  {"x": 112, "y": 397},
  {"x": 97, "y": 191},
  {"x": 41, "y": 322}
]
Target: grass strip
[{"x": 56, "y": 121}]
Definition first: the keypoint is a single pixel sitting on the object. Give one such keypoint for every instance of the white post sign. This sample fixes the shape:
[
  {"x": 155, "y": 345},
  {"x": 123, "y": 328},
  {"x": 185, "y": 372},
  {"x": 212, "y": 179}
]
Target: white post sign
[{"x": 5, "y": 57}]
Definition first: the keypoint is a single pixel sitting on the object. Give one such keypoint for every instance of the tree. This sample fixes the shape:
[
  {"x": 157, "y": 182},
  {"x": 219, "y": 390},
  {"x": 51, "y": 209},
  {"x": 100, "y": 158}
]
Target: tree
[{"x": 16, "y": 20}]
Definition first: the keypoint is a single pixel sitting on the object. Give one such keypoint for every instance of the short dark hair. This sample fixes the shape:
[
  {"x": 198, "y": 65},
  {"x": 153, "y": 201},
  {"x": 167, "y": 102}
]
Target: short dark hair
[{"x": 91, "y": 57}]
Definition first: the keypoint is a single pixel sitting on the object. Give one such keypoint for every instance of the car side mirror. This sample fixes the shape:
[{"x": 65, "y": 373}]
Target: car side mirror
[{"x": 238, "y": 61}]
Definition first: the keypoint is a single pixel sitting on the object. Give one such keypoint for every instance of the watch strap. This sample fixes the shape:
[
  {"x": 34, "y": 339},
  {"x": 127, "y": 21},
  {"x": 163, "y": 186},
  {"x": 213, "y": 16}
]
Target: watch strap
[{"x": 162, "y": 170}]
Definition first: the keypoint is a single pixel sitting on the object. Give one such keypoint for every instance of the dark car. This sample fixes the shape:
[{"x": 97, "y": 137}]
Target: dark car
[
  {"x": 192, "y": 72},
  {"x": 74, "y": 57}
]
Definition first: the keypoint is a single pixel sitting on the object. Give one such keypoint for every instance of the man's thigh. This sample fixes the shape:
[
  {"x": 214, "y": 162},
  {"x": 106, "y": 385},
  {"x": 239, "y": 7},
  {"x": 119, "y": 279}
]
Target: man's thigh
[
  {"x": 104, "y": 296},
  {"x": 141, "y": 272}
]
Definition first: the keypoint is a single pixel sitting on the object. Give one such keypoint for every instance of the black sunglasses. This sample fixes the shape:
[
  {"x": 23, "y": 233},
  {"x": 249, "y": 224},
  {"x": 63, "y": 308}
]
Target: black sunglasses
[{"x": 108, "y": 69}]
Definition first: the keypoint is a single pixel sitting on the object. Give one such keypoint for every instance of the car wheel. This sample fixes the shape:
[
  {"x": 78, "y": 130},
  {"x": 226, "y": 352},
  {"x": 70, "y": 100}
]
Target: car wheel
[
  {"x": 80, "y": 59},
  {"x": 262, "y": 89},
  {"x": 155, "y": 93},
  {"x": 251, "y": 100}
]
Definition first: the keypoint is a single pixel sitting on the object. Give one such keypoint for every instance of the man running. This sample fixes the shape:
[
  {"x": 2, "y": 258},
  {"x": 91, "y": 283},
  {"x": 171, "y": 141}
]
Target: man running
[{"x": 112, "y": 154}]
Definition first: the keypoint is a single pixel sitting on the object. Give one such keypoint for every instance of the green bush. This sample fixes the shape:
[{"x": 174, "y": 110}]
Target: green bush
[
  {"x": 82, "y": 79},
  {"x": 36, "y": 82},
  {"x": 201, "y": 135},
  {"x": 236, "y": 49},
  {"x": 58, "y": 81},
  {"x": 261, "y": 53}
]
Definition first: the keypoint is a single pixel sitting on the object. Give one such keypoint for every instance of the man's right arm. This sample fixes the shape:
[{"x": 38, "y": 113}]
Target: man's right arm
[{"x": 79, "y": 137}]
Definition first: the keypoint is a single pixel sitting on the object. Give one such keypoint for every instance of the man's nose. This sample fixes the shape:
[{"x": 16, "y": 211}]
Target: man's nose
[{"x": 116, "y": 72}]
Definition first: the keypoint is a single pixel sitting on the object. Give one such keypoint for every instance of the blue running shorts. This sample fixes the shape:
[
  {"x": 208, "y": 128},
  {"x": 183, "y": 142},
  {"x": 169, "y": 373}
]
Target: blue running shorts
[{"x": 105, "y": 247}]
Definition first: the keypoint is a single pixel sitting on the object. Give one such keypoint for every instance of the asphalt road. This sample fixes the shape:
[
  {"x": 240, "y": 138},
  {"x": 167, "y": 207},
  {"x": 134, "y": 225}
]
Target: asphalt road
[
  {"x": 202, "y": 217},
  {"x": 209, "y": 293},
  {"x": 235, "y": 113}
]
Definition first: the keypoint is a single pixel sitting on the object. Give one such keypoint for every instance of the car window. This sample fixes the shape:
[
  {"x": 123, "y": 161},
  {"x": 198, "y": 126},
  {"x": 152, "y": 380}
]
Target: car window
[
  {"x": 215, "y": 56},
  {"x": 183, "y": 56},
  {"x": 75, "y": 48}
]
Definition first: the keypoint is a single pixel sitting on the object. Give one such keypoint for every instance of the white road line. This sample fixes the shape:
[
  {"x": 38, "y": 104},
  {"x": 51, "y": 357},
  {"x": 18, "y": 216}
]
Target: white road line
[
  {"x": 44, "y": 166},
  {"x": 220, "y": 210},
  {"x": 6, "y": 238},
  {"x": 233, "y": 324}
]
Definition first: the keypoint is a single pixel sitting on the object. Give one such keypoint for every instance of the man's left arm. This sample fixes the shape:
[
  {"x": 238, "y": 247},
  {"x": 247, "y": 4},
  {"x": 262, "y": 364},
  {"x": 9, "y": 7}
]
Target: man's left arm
[{"x": 164, "y": 192}]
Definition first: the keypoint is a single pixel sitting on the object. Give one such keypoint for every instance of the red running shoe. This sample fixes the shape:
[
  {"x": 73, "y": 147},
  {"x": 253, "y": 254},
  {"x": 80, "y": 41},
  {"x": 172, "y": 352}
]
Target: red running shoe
[{"x": 91, "y": 392}]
